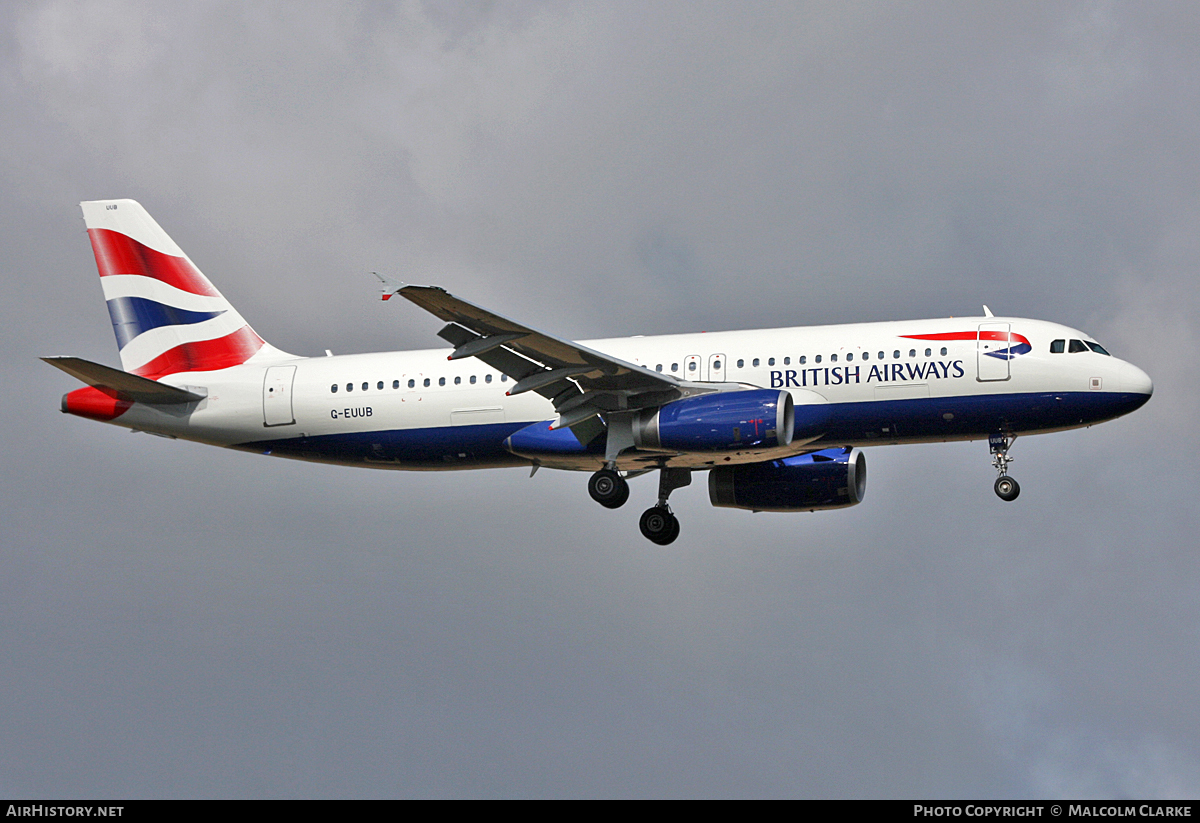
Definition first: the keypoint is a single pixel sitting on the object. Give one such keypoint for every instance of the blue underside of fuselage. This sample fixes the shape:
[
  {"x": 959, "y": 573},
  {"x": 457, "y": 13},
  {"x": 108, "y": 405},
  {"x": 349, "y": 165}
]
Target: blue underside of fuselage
[{"x": 853, "y": 424}]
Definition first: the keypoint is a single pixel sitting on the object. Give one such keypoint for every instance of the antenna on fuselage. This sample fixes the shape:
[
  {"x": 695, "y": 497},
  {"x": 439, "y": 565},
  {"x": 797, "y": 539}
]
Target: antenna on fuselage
[{"x": 987, "y": 312}]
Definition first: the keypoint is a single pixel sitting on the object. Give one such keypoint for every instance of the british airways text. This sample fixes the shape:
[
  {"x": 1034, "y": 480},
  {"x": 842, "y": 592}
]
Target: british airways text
[{"x": 886, "y": 373}]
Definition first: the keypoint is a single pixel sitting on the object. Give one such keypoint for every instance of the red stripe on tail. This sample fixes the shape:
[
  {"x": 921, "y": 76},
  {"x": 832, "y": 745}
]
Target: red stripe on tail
[
  {"x": 204, "y": 355},
  {"x": 118, "y": 254}
]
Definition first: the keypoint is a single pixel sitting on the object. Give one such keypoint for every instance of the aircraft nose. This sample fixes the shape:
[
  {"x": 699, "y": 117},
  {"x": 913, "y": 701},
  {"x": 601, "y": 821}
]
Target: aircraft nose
[{"x": 1135, "y": 380}]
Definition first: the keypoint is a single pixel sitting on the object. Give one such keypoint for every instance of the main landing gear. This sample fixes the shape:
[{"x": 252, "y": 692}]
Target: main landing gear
[
  {"x": 658, "y": 524},
  {"x": 1006, "y": 487},
  {"x": 608, "y": 488}
]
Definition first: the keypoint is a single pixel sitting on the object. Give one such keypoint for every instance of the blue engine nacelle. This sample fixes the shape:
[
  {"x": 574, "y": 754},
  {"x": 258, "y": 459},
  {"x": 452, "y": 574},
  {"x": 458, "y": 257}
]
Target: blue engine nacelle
[
  {"x": 721, "y": 421},
  {"x": 829, "y": 479}
]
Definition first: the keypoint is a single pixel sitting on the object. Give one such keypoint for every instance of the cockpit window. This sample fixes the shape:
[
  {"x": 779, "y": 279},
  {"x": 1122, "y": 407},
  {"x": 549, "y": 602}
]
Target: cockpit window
[
  {"x": 1076, "y": 346},
  {"x": 1058, "y": 346},
  {"x": 1097, "y": 348}
]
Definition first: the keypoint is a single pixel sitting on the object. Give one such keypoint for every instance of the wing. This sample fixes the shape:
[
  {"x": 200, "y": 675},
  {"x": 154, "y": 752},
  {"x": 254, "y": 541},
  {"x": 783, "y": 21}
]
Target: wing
[{"x": 580, "y": 382}]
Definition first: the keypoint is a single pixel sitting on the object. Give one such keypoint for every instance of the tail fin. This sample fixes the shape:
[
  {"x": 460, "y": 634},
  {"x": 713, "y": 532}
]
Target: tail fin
[{"x": 167, "y": 316}]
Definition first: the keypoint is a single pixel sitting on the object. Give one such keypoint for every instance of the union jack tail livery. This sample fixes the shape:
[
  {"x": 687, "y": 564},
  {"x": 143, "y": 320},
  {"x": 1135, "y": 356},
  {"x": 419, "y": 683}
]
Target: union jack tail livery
[{"x": 167, "y": 316}]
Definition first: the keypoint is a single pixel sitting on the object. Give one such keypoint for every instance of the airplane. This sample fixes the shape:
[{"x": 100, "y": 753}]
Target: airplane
[{"x": 777, "y": 417}]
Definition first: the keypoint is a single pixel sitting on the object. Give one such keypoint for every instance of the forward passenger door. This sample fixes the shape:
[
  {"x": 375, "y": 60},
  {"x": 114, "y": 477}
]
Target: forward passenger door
[{"x": 993, "y": 338}]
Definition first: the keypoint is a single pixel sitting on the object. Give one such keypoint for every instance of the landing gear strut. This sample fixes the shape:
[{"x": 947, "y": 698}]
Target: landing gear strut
[
  {"x": 608, "y": 488},
  {"x": 1006, "y": 487},
  {"x": 658, "y": 524}
]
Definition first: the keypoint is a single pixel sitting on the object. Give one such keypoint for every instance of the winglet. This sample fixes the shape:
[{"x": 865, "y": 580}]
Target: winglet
[{"x": 390, "y": 286}]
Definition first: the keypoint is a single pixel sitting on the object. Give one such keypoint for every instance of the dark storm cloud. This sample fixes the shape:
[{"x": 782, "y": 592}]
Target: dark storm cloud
[{"x": 182, "y": 621}]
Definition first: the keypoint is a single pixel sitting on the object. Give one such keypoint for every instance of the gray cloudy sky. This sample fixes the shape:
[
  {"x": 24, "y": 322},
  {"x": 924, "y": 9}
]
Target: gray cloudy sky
[{"x": 183, "y": 621}]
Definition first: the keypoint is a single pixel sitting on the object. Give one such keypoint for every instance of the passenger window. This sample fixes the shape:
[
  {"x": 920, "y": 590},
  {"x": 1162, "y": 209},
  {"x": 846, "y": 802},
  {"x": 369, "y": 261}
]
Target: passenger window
[
  {"x": 658, "y": 367},
  {"x": 717, "y": 365},
  {"x": 333, "y": 388},
  {"x": 803, "y": 359},
  {"x": 380, "y": 386},
  {"x": 896, "y": 354},
  {"x": 472, "y": 380},
  {"x": 1076, "y": 346},
  {"x": 912, "y": 352},
  {"x": 943, "y": 351},
  {"x": 395, "y": 384},
  {"x": 817, "y": 359},
  {"x": 504, "y": 378},
  {"x": 754, "y": 362},
  {"x": 426, "y": 383},
  {"x": 880, "y": 355},
  {"x": 1058, "y": 346},
  {"x": 691, "y": 365},
  {"x": 770, "y": 361},
  {"x": 928, "y": 352},
  {"x": 487, "y": 378},
  {"x": 412, "y": 384},
  {"x": 349, "y": 387},
  {"x": 441, "y": 381},
  {"x": 866, "y": 355},
  {"x": 457, "y": 380},
  {"x": 787, "y": 361},
  {"x": 833, "y": 358},
  {"x": 1097, "y": 348},
  {"x": 849, "y": 356},
  {"x": 741, "y": 364},
  {"x": 365, "y": 386},
  {"x": 674, "y": 367}
]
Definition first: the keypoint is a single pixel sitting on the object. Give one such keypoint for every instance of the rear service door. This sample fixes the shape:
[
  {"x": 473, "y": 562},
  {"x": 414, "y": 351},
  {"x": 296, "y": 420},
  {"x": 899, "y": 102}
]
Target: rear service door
[{"x": 277, "y": 396}]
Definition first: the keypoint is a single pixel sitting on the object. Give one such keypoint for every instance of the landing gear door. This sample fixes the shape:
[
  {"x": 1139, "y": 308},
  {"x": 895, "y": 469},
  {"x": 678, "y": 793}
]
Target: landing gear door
[
  {"x": 992, "y": 351},
  {"x": 277, "y": 396},
  {"x": 716, "y": 368}
]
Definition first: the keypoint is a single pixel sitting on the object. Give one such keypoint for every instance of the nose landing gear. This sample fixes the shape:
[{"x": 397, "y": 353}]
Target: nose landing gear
[{"x": 1006, "y": 487}]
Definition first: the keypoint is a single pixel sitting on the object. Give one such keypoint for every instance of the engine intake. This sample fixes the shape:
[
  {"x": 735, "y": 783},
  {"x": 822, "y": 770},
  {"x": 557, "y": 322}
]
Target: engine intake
[
  {"x": 721, "y": 421},
  {"x": 829, "y": 479}
]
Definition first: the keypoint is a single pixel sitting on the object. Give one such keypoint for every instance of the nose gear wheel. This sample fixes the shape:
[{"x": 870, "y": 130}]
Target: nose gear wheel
[{"x": 1006, "y": 487}]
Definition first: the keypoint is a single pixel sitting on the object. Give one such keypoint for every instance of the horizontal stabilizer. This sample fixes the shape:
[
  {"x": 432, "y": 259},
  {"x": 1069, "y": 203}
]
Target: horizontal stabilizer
[{"x": 123, "y": 385}]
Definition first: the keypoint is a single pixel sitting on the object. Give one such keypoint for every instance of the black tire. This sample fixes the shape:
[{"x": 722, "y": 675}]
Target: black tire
[
  {"x": 659, "y": 526},
  {"x": 669, "y": 539},
  {"x": 1006, "y": 488},
  {"x": 622, "y": 498},
  {"x": 608, "y": 488}
]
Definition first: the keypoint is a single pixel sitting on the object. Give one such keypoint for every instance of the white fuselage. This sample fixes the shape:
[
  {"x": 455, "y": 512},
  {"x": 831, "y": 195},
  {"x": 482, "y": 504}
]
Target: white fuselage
[{"x": 893, "y": 382}]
